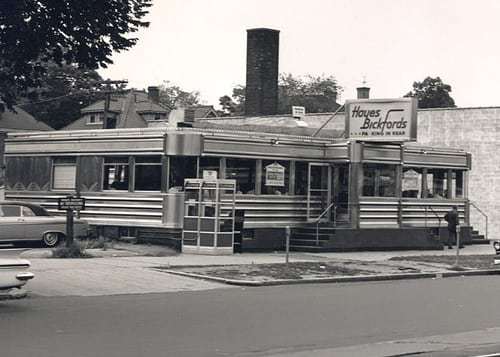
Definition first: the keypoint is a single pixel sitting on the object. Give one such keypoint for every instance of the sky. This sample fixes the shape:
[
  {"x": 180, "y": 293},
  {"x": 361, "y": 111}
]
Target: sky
[{"x": 201, "y": 45}]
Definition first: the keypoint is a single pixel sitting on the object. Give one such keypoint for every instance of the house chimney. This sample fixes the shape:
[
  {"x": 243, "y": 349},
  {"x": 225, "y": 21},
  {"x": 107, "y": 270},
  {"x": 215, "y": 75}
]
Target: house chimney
[
  {"x": 363, "y": 92},
  {"x": 154, "y": 94},
  {"x": 261, "y": 96}
]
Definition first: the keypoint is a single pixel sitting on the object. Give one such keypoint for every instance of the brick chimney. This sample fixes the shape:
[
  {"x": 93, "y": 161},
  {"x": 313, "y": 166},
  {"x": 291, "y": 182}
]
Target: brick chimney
[
  {"x": 363, "y": 92},
  {"x": 261, "y": 96},
  {"x": 154, "y": 94}
]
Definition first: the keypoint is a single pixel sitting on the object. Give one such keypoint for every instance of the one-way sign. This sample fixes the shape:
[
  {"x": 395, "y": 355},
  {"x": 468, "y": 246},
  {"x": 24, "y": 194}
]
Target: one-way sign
[{"x": 71, "y": 203}]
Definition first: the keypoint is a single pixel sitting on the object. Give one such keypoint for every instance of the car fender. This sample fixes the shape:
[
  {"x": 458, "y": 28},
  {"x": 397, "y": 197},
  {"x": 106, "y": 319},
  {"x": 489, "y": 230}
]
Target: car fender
[{"x": 54, "y": 231}]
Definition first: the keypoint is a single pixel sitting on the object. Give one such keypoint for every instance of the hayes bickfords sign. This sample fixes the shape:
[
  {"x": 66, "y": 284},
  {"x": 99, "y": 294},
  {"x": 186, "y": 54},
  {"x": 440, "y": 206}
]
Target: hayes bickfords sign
[{"x": 382, "y": 119}]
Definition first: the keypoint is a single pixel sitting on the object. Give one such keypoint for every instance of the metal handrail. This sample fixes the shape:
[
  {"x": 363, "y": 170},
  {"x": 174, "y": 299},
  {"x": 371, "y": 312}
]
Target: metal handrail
[
  {"x": 321, "y": 216},
  {"x": 484, "y": 215},
  {"x": 435, "y": 214}
]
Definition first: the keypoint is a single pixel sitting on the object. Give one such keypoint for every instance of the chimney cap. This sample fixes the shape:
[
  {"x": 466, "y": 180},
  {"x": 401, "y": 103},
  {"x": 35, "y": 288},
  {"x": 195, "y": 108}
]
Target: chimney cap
[{"x": 262, "y": 29}]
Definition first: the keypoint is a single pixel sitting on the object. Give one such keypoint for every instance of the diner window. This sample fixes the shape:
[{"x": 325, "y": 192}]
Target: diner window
[
  {"x": 379, "y": 180},
  {"x": 300, "y": 178},
  {"x": 412, "y": 182},
  {"x": 147, "y": 173},
  {"x": 116, "y": 173},
  {"x": 275, "y": 177},
  {"x": 437, "y": 183},
  {"x": 243, "y": 171},
  {"x": 182, "y": 167},
  {"x": 457, "y": 184},
  {"x": 64, "y": 173},
  {"x": 209, "y": 164}
]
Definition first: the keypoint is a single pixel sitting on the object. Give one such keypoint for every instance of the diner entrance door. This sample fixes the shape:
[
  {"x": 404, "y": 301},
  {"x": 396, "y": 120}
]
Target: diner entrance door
[{"x": 319, "y": 191}]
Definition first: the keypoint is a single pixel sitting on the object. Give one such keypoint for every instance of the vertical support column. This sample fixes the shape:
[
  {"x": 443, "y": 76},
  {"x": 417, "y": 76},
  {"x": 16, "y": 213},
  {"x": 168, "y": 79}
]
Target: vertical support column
[
  {"x": 291, "y": 178},
  {"x": 3, "y": 182},
  {"x": 222, "y": 167},
  {"x": 449, "y": 184},
  {"x": 165, "y": 173},
  {"x": 399, "y": 193},
  {"x": 258, "y": 177},
  {"x": 355, "y": 181},
  {"x": 131, "y": 173},
  {"x": 78, "y": 179},
  {"x": 425, "y": 187},
  {"x": 329, "y": 185}
]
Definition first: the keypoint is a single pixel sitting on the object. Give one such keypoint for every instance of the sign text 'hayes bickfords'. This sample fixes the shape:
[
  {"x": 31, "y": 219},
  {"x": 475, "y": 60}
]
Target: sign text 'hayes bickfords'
[{"x": 381, "y": 119}]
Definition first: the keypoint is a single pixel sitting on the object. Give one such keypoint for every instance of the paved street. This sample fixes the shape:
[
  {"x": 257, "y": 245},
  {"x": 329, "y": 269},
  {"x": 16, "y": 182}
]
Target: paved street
[{"x": 284, "y": 320}]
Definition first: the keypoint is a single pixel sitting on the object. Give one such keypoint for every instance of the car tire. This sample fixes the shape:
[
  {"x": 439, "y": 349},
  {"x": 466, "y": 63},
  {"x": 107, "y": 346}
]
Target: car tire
[{"x": 51, "y": 239}]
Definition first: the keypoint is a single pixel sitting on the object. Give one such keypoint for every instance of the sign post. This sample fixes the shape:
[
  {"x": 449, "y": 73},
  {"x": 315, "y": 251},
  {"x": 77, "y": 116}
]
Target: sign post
[{"x": 70, "y": 204}]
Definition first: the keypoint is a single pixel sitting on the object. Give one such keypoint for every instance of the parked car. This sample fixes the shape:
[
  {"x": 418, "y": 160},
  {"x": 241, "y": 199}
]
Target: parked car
[
  {"x": 21, "y": 221},
  {"x": 13, "y": 274}
]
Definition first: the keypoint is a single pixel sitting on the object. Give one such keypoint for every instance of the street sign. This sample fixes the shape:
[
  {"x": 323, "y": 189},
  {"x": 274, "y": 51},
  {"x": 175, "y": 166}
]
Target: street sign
[{"x": 71, "y": 203}]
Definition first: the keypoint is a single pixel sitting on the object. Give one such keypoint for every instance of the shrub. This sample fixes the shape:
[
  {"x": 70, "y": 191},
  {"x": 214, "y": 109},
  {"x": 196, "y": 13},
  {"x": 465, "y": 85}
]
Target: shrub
[{"x": 75, "y": 250}]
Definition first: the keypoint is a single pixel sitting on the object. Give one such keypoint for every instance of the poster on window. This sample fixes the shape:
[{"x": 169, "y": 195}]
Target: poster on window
[
  {"x": 410, "y": 180},
  {"x": 275, "y": 175}
]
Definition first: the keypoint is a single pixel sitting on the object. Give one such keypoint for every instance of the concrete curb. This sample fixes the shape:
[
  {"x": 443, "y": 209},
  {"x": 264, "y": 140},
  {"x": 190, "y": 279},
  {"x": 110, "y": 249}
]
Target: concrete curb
[{"x": 340, "y": 279}]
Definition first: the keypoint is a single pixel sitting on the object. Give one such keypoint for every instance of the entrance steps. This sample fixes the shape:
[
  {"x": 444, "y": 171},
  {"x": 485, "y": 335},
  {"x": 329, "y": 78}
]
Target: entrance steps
[{"x": 477, "y": 238}]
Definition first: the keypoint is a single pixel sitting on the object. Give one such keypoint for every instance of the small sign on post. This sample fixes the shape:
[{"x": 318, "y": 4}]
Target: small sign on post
[{"x": 70, "y": 204}]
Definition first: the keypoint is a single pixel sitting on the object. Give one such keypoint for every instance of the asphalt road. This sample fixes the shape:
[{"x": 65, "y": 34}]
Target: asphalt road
[{"x": 263, "y": 321}]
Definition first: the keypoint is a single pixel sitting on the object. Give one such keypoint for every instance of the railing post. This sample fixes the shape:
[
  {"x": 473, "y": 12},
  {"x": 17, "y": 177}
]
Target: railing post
[
  {"x": 486, "y": 230},
  {"x": 426, "y": 216},
  {"x": 317, "y": 233}
]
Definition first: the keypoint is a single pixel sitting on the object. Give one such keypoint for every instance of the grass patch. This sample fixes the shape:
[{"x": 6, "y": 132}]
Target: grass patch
[
  {"x": 277, "y": 271},
  {"x": 75, "y": 250},
  {"x": 469, "y": 261}
]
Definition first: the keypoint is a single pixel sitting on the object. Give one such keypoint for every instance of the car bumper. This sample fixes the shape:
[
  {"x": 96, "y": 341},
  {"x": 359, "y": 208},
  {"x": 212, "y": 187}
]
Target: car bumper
[{"x": 14, "y": 273}]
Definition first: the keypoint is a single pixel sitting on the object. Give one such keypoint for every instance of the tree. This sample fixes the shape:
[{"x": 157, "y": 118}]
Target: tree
[
  {"x": 63, "y": 91},
  {"x": 173, "y": 96},
  {"x": 34, "y": 33},
  {"x": 318, "y": 94},
  {"x": 234, "y": 105},
  {"x": 432, "y": 93}
]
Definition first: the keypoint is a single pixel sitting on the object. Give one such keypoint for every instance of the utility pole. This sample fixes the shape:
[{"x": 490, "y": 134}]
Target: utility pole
[{"x": 107, "y": 100}]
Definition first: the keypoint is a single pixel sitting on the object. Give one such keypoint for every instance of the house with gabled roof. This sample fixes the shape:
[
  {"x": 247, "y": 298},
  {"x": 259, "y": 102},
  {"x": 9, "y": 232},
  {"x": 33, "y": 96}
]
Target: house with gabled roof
[
  {"x": 131, "y": 109},
  {"x": 20, "y": 120}
]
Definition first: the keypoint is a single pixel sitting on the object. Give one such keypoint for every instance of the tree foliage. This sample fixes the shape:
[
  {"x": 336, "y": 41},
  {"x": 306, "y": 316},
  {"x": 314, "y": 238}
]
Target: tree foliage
[
  {"x": 432, "y": 93},
  {"x": 173, "y": 96},
  {"x": 85, "y": 33},
  {"x": 318, "y": 94},
  {"x": 63, "y": 91}
]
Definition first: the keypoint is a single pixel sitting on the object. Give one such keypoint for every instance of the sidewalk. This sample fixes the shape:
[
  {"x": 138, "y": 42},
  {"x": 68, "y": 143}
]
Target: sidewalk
[{"x": 117, "y": 272}]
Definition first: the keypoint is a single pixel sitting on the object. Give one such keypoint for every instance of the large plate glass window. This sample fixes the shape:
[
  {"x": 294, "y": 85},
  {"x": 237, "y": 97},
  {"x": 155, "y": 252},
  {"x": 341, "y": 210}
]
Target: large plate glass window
[
  {"x": 210, "y": 164},
  {"x": 437, "y": 183},
  {"x": 457, "y": 184},
  {"x": 243, "y": 171},
  {"x": 116, "y": 173},
  {"x": 64, "y": 173},
  {"x": 379, "y": 180},
  {"x": 147, "y": 173},
  {"x": 182, "y": 167}
]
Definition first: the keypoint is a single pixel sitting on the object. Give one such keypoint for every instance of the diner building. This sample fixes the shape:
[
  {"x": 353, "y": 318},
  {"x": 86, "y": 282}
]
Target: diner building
[{"x": 335, "y": 193}]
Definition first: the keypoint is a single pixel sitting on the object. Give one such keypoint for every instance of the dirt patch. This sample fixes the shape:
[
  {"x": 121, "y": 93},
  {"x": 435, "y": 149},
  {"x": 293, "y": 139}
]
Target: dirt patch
[
  {"x": 295, "y": 270},
  {"x": 465, "y": 261}
]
